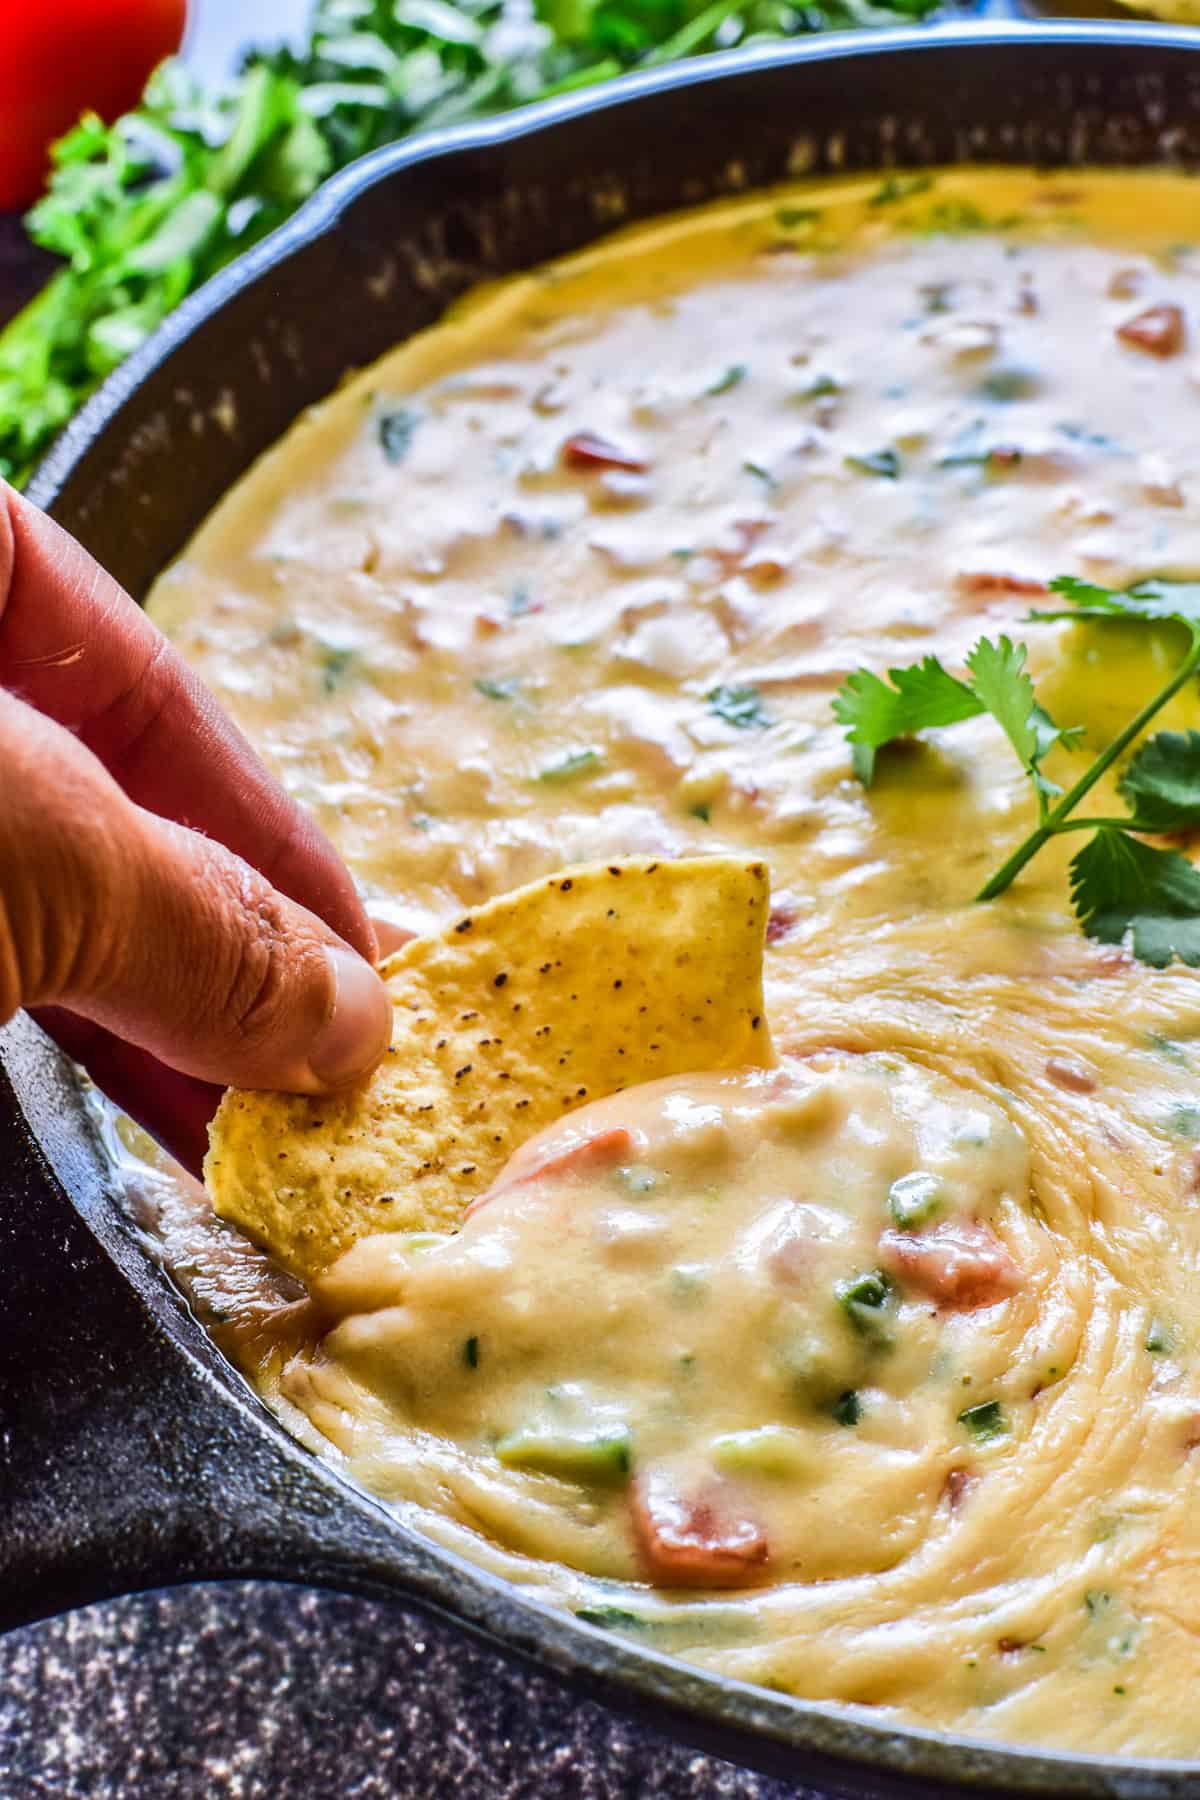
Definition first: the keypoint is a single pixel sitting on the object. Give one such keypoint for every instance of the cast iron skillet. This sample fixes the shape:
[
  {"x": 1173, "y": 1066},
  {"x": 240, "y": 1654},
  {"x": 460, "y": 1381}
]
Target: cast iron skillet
[{"x": 131, "y": 1454}]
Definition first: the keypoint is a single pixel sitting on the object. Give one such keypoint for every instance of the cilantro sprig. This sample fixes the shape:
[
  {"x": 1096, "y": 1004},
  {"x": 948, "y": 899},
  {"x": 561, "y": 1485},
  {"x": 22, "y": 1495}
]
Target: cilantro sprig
[{"x": 1123, "y": 890}]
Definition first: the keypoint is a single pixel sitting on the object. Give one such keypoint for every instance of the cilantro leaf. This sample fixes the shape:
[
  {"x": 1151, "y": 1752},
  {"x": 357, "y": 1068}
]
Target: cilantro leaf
[
  {"x": 1122, "y": 888},
  {"x": 740, "y": 706},
  {"x": 1162, "y": 782},
  {"x": 920, "y": 697},
  {"x": 1178, "y": 600},
  {"x": 1002, "y": 682}
]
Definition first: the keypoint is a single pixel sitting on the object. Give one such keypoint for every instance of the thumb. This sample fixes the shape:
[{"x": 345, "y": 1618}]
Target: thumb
[{"x": 163, "y": 937}]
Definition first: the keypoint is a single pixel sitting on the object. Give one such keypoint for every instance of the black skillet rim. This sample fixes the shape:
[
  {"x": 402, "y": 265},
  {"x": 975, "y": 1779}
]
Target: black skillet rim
[{"x": 460, "y": 1589}]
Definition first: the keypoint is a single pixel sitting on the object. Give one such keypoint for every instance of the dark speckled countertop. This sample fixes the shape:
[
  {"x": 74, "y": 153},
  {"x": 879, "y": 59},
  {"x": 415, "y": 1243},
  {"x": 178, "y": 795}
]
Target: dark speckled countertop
[{"x": 247, "y": 1691}]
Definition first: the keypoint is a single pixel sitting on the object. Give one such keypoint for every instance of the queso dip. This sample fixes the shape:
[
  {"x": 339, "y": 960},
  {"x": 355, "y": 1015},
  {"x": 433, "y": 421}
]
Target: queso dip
[{"x": 874, "y": 1377}]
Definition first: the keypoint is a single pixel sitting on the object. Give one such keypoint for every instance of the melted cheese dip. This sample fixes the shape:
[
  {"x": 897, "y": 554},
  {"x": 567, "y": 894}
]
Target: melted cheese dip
[{"x": 896, "y": 1344}]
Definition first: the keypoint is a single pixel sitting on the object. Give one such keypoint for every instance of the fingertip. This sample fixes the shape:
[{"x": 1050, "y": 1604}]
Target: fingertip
[{"x": 358, "y": 1029}]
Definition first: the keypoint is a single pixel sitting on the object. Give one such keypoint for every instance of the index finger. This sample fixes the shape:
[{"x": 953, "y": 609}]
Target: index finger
[{"x": 75, "y": 646}]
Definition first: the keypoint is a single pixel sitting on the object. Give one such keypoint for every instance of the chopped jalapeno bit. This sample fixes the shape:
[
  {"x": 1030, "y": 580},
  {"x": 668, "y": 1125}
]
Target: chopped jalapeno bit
[
  {"x": 985, "y": 1422},
  {"x": 739, "y": 706},
  {"x": 498, "y": 690},
  {"x": 789, "y": 217},
  {"x": 775, "y": 1450},
  {"x": 395, "y": 431},
  {"x": 868, "y": 1301},
  {"x": 884, "y": 463},
  {"x": 571, "y": 766},
  {"x": 847, "y": 1408},
  {"x": 471, "y": 1353},
  {"x": 595, "y": 1458},
  {"x": 914, "y": 1199}
]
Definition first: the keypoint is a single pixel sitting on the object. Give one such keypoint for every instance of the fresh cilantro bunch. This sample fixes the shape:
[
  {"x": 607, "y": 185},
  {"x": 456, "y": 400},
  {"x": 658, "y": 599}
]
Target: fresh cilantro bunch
[
  {"x": 1123, "y": 890},
  {"x": 145, "y": 211}
]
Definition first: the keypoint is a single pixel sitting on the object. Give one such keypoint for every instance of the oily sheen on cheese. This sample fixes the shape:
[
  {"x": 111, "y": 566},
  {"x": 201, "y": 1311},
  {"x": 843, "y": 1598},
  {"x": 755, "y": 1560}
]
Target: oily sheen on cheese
[{"x": 872, "y": 1377}]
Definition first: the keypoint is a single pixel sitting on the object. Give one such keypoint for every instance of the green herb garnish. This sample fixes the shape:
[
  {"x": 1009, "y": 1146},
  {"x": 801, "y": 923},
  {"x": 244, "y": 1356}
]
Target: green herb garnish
[
  {"x": 1122, "y": 889},
  {"x": 847, "y": 1408},
  {"x": 395, "y": 430},
  {"x": 740, "y": 706},
  {"x": 985, "y": 1422},
  {"x": 470, "y": 1352},
  {"x": 884, "y": 463},
  {"x": 733, "y": 377},
  {"x": 498, "y": 690},
  {"x": 571, "y": 766}
]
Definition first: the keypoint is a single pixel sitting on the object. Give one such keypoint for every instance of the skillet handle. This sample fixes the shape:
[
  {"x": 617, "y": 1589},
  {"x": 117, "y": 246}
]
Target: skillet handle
[{"x": 131, "y": 1456}]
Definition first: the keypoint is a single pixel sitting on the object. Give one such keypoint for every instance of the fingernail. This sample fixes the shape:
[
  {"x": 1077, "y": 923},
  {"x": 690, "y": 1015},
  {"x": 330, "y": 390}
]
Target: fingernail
[{"x": 356, "y": 1033}]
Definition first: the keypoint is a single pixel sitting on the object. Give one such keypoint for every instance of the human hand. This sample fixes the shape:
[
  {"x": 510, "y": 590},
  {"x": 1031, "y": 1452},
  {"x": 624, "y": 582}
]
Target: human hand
[{"x": 166, "y": 912}]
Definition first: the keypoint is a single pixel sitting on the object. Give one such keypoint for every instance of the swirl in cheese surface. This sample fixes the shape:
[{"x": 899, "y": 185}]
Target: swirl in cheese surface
[{"x": 895, "y": 1346}]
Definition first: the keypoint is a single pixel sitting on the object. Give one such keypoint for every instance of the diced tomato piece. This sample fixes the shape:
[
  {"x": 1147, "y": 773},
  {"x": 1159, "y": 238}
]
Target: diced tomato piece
[
  {"x": 1071, "y": 1076},
  {"x": 703, "y": 1539},
  {"x": 1159, "y": 330},
  {"x": 955, "y": 1486},
  {"x": 603, "y": 1151},
  {"x": 959, "y": 1263},
  {"x": 998, "y": 581},
  {"x": 781, "y": 921},
  {"x": 587, "y": 451}
]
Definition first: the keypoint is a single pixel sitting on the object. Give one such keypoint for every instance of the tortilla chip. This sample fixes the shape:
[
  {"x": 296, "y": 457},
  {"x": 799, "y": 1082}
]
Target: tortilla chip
[{"x": 559, "y": 993}]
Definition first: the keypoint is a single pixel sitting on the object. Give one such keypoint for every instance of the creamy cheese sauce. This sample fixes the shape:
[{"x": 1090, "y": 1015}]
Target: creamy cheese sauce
[{"x": 896, "y": 1344}]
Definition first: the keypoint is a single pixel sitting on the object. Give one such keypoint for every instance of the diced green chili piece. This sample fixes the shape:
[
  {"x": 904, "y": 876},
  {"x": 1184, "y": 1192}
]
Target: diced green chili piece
[
  {"x": 595, "y": 1458},
  {"x": 985, "y": 1422},
  {"x": 914, "y": 1199},
  {"x": 498, "y": 690},
  {"x": 470, "y": 1352},
  {"x": 868, "y": 1301},
  {"x": 847, "y": 1408},
  {"x": 775, "y": 1450},
  {"x": 1160, "y": 1338}
]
